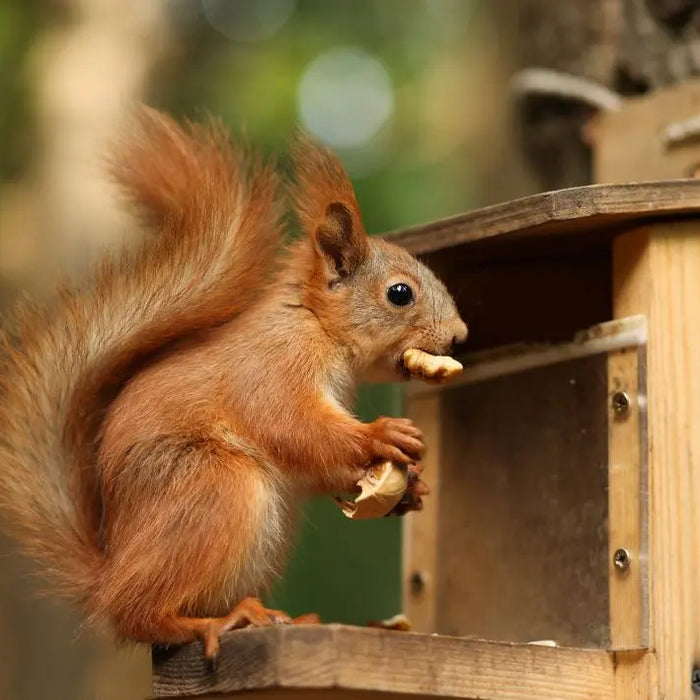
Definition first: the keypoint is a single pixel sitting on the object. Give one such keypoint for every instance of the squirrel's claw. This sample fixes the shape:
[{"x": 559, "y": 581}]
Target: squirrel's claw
[{"x": 250, "y": 612}]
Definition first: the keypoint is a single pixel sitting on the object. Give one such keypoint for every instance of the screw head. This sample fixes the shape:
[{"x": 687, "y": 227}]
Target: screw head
[
  {"x": 620, "y": 403},
  {"x": 695, "y": 681},
  {"x": 622, "y": 559},
  {"x": 417, "y": 582}
]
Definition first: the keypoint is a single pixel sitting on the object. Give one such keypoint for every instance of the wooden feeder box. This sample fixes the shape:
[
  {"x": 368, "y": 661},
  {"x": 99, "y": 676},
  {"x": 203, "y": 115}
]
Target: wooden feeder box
[{"x": 564, "y": 463}]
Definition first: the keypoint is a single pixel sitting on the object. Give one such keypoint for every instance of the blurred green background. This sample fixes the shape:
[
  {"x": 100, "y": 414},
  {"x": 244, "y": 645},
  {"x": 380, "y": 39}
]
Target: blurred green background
[
  {"x": 406, "y": 91},
  {"x": 346, "y": 570}
]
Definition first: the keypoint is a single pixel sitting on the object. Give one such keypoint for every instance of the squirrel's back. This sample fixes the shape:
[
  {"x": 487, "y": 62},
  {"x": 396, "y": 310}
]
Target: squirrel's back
[{"x": 216, "y": 227}]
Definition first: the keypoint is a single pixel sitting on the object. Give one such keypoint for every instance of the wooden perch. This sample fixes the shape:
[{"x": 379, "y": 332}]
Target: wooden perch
[{"x": 345, "y": 660}]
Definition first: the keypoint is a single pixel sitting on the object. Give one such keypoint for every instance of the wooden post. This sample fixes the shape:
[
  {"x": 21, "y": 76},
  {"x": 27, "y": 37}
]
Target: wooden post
[
  {"x": 656, "y": 272},
  {"x": 658, "y": 275}
]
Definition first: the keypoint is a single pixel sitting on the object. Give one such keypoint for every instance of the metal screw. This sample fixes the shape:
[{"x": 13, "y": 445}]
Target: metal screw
[
  {"x": 695, "y": 681},
  {"x": 622, "y": 559},
  {"x": 620, "y": 403},
  {"x": 417, "y": 582}
]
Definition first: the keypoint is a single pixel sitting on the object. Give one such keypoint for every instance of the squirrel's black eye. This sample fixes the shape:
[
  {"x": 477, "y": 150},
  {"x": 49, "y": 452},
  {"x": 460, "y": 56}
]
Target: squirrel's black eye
[{"x": 399, "y": 294}]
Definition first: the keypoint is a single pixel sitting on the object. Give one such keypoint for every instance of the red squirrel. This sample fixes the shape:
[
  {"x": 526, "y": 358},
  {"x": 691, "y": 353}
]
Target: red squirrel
[{"x": 161, "y": 420}]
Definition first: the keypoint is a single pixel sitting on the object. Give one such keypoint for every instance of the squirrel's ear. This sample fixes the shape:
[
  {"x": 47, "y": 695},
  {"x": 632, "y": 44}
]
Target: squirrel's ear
[
  {"x": 340, "y": 240},
  {"x": 326, "y": 207}
]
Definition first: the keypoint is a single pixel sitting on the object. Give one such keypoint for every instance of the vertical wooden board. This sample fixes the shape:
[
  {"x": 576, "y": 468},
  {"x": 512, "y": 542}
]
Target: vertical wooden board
[
  {"x": 662, "y": 280},
  {"x": 674, "y": 410},
  {"x": 421, "y": 529},
  {"x": 627, "y": 498},
  {"x": 522, "y": 544}
]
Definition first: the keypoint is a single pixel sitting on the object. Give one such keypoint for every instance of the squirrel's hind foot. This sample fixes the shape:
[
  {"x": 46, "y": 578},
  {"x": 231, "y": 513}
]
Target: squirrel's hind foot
[{"x": 250, "y": 612}]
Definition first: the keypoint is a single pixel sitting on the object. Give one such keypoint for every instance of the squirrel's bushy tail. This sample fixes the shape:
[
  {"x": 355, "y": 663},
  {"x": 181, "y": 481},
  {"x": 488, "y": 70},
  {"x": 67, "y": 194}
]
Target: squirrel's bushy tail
[{"x": 216, "y": 221}]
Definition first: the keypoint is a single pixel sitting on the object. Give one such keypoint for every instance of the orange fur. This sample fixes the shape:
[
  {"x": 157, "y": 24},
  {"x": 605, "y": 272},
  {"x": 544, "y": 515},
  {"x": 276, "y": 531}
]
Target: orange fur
[{"x": 161, "y": 421}]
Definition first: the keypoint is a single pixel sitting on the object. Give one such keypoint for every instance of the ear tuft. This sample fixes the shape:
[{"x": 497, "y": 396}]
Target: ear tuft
[
  {"x": 339, "y": 240},
  {"x": 326, "y": 207}
]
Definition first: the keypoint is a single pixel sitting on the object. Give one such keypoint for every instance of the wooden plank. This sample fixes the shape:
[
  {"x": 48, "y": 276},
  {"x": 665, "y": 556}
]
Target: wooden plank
[
  {"x": 341, "y": 657},
  {"x": 611, "y": 336},
  {"x": 564, "y": 213},
  {"x": 627, "y": 497},
  {"x": 663, "y": 282},
  {"x": 315, "y": 694},
  {"x": 627, "y": 474},
  {"x": 421, "y": 530}
]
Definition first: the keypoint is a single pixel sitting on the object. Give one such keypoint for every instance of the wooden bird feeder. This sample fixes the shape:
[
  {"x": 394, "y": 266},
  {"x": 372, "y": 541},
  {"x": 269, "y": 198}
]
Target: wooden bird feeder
[{"x": 564, "y": 462}]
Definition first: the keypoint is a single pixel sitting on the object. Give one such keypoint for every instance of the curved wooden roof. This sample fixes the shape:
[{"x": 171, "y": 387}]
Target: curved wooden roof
[{"x": 561, "y": 212}]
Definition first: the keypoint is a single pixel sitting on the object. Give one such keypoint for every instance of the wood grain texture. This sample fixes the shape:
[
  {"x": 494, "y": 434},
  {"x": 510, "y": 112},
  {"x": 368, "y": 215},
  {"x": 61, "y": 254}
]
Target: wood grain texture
[
  {"x": 315, "y": 694},
  {"x": 340, "y": 657},
  {"x": 635, "y": 675},
  {"x": 421, "y": 530},
  {"x": 664, "y": 283},
  {"x": 563, "y": 213}
]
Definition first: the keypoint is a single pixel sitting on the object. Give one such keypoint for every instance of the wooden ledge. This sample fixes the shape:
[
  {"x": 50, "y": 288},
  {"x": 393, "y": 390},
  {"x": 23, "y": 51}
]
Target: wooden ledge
[
  {"x": 599, "y": 207},
  {"x": 351, "y": 659}
]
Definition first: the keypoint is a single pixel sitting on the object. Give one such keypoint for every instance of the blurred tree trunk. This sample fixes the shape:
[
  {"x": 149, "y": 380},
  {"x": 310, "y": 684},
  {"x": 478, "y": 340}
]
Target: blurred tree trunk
[
  {"x": 630, "y": 46},
  {"x": 86, "y": 71},
  {"x": 627, "y": 46}
]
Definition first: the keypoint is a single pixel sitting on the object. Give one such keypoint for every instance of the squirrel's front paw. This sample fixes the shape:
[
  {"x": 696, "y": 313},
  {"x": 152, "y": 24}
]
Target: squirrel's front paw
[{"x": 395, "y": 439}]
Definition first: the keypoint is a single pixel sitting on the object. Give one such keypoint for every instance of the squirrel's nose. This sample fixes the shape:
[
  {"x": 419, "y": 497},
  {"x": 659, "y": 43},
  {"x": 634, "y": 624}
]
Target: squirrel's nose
[{"x": 460, "y": 333}]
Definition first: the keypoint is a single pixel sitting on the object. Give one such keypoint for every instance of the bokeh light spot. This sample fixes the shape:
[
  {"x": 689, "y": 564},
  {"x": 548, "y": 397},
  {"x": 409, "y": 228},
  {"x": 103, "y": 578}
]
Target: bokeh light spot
[{"x": 345, "y": 97}]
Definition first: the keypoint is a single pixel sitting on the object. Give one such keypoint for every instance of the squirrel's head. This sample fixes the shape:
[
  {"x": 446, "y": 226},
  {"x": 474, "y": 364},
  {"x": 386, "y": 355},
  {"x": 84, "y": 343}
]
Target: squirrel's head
[{"x": 371, "y": 296}]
